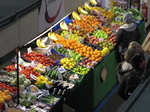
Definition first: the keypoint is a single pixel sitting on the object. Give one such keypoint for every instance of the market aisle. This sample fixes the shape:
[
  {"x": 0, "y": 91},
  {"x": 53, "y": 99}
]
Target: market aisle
[{"x": 111, "y": 103}]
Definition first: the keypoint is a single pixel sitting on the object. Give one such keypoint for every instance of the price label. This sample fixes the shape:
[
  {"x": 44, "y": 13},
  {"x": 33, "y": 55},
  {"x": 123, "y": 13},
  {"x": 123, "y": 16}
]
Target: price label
[
  {"x": 81, "y": 40},
  {"x": 68, "y": 50},
  {"x": 70, "y": 31},
  {"x": 77, "y": 27},
  {"x": 10, "y": 103},
  {"x": 60, "y": 76},
  {"x": 117, "y": 19},
  {"x": 61, "y": 70},
  {"x": 18, "y": 67},
  {"x": 6, "y": 105},
  {"x": 33, "y": 76},
  {"x": 47, "y": 85},
  {"x": 28, "y": 89},
  {"x": 66, "y": 36},
  {"x": 58, "y": 46},
  {"x": 48, "y": 68},
  {"x": 29, "y": 50},
  {"x": 19, "y": 54},
  {"x": 67, "y": 55},
  {"x": 49, "y": 52},
  {"x": 88, "y": 35},
  {"x": 45, "y": 92}
]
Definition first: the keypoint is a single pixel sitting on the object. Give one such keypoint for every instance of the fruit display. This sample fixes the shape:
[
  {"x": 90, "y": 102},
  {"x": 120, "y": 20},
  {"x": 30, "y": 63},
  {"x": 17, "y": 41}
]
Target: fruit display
[
  {"x": 100, "y": 34},
  {"x": 83, "y": 50},
  {"x": 75, "y": 56},
  {"x": 80, "y": 70},
  {"x": 4, "y": 96},
  {"x": 82, "y": 11},
  {"x": 23, "y": 81},
  {"x": 87, "y": 7},
  {"x": 73, "y": 77},
  {"x": 55, "y": 57},
  {"x": 107, "y": 44},
  {"x": 93, "y": 40},
  {"x": 87, "y": 24},
  {"x": 41, "y": 82},
  {"x": 33, "y": 56},
  {"x": 61, "y": 50},
  {"x": 63, "y": 25},
  {"x": 68, "y": 63},
  {"x": 75, "y": 15},
  {"x": 88, "y": 63},
  {"x": 49, "y": 99},
  {"x": 63, "y": 58},
  {"x": 74, "y": 36},
  {"x": 12, "y": 90},
  {"x": 53, "y": 73},
  {"x": 26, "y": 98}
]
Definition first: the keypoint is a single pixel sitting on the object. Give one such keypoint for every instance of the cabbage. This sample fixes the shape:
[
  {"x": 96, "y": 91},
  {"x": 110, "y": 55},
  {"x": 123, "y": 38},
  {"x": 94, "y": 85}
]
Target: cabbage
[
  {"x": 22, "y": 86},
  {"x": 27, "y": 82}
]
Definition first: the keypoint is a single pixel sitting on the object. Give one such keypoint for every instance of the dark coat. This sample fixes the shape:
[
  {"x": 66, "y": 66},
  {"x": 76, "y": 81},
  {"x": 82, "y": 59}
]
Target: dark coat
[
  {"x": 129, "y": 82},
  {"x": 124, "y": 38}
]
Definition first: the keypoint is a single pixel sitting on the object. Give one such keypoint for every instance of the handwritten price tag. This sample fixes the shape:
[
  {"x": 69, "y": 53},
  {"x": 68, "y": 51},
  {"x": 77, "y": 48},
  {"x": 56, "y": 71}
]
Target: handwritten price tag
[{"x": 33, "y": 76}]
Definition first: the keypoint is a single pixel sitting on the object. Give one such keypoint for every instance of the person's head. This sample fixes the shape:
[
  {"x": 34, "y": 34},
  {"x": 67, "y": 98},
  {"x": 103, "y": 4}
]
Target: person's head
[
  {"x": 129, "y": 54},
  {"x": 137, "y": 61},
  {"x": 127, "y": 18},
  {"x": 135, "y": 45}
]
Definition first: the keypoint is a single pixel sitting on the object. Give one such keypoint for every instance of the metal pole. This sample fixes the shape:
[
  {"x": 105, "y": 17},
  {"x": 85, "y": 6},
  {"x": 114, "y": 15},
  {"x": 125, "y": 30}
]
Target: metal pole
[{"x": 17, "y": 50}]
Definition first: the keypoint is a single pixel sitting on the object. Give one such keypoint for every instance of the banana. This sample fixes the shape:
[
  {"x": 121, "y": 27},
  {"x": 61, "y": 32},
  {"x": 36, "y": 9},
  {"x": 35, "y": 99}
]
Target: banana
[
  {"x": 87, "y": 7},
  {"x": 52, "y": 36},
  {"x": 37, "y": 43},
  {"x": 82, "y": 11},
  {"x": 93, "y": 2},
  {"x": 63, "y": 25},
  {"x": 75, "y": 15},
  {"x": 40, "y": 43}
]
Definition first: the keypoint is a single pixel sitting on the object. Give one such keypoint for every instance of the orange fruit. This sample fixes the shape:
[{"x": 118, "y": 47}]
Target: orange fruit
[{"x": 2, "y": 100}]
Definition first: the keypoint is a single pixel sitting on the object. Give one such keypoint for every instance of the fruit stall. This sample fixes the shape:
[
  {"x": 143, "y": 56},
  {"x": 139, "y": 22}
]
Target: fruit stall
[{"x": 73, "y": 63}]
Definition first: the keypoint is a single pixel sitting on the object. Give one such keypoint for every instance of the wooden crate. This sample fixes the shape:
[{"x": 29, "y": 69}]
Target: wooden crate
[{"x": 146, "y": 44}]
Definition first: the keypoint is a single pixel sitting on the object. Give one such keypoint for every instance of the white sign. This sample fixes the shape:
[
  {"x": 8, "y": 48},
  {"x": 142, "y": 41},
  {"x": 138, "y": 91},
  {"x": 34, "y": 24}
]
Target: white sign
[{"x": 51, "y": 11}]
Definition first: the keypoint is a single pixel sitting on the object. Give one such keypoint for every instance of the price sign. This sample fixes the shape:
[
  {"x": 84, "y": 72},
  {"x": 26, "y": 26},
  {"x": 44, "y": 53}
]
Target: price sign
[
  {"x": 48, "y": 68},
  {"x": 10, "y": 103},
  {"x": 47, "y": 85},
  {"x": 70, "y": 31},
  {"x": 117, "y": 19},
  {"x": 33, "y": 76},
  {"x": 29, "y": 50},
  {"x": 49, "y": 52},
  {"x": 18, "y": 67},
  {"x": 45, "y": 92},
  {"x": 66, "y": 36},
  {"x": 6, "y": 106},
  {"x": 81, "y": 40},
  {"x": 67, "y": 55},
  {"x": 58, "y": 46},
  {"x": 88, "y": 35},
  {"x": 77, "y": 27},
  {"x": 61, "y": 70},
  {"x": 19, "y": 54},
  {"x": 60, "y": 76}
]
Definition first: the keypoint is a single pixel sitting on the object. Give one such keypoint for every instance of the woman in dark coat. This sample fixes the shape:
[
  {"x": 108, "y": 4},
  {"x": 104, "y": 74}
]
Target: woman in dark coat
[
  {"x": 127, "y": 33},
  {"x": 131, "y": 79}
]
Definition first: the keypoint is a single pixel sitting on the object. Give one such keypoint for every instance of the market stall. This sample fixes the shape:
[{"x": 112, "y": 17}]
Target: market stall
[{"x": 73, "y": 63}]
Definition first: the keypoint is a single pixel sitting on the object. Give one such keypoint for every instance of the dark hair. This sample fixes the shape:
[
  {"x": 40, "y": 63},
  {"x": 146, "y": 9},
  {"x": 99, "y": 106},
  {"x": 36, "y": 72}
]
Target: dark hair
[{"x": 136, "y": 60}]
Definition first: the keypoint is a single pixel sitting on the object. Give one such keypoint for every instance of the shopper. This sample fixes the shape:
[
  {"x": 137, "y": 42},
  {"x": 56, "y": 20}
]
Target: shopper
[
  {"x": 127, "y": 33},
  {"x": 125, "y": 66},
  {"x": 135, "y": 45},
  {"x": 131, "y": 79}
]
